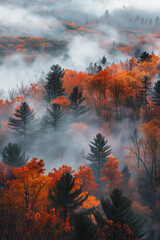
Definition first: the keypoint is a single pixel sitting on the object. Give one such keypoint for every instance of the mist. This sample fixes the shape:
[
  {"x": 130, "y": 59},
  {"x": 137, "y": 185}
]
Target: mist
[{"x": 83, "y": 68}]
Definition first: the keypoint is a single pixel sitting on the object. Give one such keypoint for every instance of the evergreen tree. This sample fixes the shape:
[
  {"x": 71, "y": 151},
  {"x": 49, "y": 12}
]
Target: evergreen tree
[
  {"x": 83, "y": 227},
  {"x": 156, "y": 93},
  {"x": 119, "y": 210},
  {"x": 145, "y": 57},
  {"x": 13, "y": 155},
  {"x": 99, "y": 68},
  {"x": 23, "y": 122},
  {"x": 126, "y": 175},
  {"x": 99, "y": 154},
  {"x": 63, "y": 196},
  {"x": 77, "y": 109},
  {"x": 104, "y": 60},
  {"x": 53, "y": 118},
  {"x": 53, "y": 86},
  {"x": 146, "y": 84}
]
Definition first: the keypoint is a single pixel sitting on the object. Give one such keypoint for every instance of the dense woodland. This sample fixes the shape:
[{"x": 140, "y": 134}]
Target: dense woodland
[
  {"x": 102, "y": 197},
  {"x": 79, "y": 120}
]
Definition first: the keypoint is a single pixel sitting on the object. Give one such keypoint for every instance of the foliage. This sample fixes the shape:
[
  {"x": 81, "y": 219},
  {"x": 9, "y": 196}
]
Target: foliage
[
  {"x": 13, "y": 155},
  {"x": 23, "y": 121},
  {"x": 53, "y": 84},
  {"x": 63, "y": 196},
  {"x": 111, "y": 174},
  {"x": 119, "y": 210},
  {"x": 99, "y": 154}
]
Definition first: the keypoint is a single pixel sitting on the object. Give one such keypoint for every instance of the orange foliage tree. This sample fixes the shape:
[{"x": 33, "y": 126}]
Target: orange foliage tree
[
  {"x": 29, "y": 188},
  {"x": 86, "y": 179},
  {"x": 111, "y": 174}
]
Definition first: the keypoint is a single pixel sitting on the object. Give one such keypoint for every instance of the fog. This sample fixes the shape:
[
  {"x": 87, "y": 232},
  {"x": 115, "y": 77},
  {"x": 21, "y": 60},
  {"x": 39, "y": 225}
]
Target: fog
[
  {"x": 44, "y": 19},
  {"x": 95, "y": 33}
]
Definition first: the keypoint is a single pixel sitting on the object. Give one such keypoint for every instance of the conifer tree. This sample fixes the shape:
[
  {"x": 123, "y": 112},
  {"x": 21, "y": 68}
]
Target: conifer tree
[
  {"x": 54, "y": 117},
  {"x": 146, "y": 84},
  {"x": 23, "y": 121},
  {"x": 84, "y": 228},
  {"x": 104, "y": 60},
  {"x": 64, "y": 197},
  {"x": 156, "y": 93},
  {"x": 126, "y": 175},
  {"x": 53, "y": 85},
  {"x": 99, "y": 154},
  {"x": 77, "y": 109},
  {"x": 119, "y": 210},
  {"x": 145, "y": 57},
  {"x": 13, "y": 155}
]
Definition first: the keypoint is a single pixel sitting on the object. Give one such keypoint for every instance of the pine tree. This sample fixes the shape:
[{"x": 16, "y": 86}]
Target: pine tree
[
  {"x": 146, "y": 84},
  {"x": 23, "y": 122},
  {"x": 84, "y": 228},
  {"x": 99, "y": 154},
  {"x": 99, "y": 68},
  {"x": 53, "y": 86},
  {"x": 54, "y": 117},
  {"x": 119, "y": 210},
  {"x": 126, "y": 175},
  {"x": 13, "y": 155},
  {"x": 145, "y": 57},
  {"x": 77, "y": 109},
  {"x": 64, "y": 197},
  {"x": 156, "y": 93},
  {"x": 104, "y": 60}
]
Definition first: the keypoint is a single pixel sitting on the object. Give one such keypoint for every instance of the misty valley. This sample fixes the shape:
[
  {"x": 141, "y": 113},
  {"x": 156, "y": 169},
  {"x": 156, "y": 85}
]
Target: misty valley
[{"x": 79, "y": 120}]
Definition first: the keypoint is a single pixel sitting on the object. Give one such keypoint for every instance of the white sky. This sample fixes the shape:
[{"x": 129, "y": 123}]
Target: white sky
[{"x": 150, "y": 5}]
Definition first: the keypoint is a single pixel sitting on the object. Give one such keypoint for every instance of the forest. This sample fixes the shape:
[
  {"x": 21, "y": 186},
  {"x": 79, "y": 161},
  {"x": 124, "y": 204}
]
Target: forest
[
  {"x": 53, "y": 118},
  {"x": 79, "y": 121}
]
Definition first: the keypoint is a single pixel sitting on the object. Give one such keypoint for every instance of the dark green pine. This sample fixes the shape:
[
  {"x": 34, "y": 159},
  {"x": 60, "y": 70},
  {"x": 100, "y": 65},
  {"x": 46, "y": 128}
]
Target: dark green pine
[
  {"x": 126, "y": 175},
  {"x": 146, "y": 84},
  {"x": 145, "y": 57},
  {"x": 23, "y": 121},
  {"x": 63, "y": 196},
  {"x": 99, "y": 154},
  {"x": 77, "y": 108},
  {"x": 156, "y": 93},
  {"x": 13, "y": 155},
  {"x": 119, "y": 209},
  {"x": 54, "y": 118},
  {"x": 84, "y": 228},
  {"x": 53, "y": 86}
]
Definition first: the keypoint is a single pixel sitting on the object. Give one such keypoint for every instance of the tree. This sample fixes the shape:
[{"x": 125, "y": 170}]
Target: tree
[
  {"x": 23, "y": 122},
  {"x": 29, "y": 189},
  {"x": 119, "y": 210},
  {"x": 13, "y": 155},
  {"x": 84, "y": 228},
  {"x": 115, "y": 231},
  {"x": 99, "y": 154},
  {"x": 156, "y": 93},
  {"x": 64, "y": 197},
  {"x": 145, "y": 57},
  {"x": 86, "y": 178},
  {"x": 126, "y": 175},
  {"x": 117, "y": 88},
  {"x": 54, "y": 117},
  {"x": 111, "y": 174},
  {"x": 146, "y": 84},
  {"x": 77, "y": 108},
  {"x": 104, "y": 60},
  {"x": 96, "y": 88},
  {"x": 146, "y": 149},
  {"x": 53, "y": 85}
]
